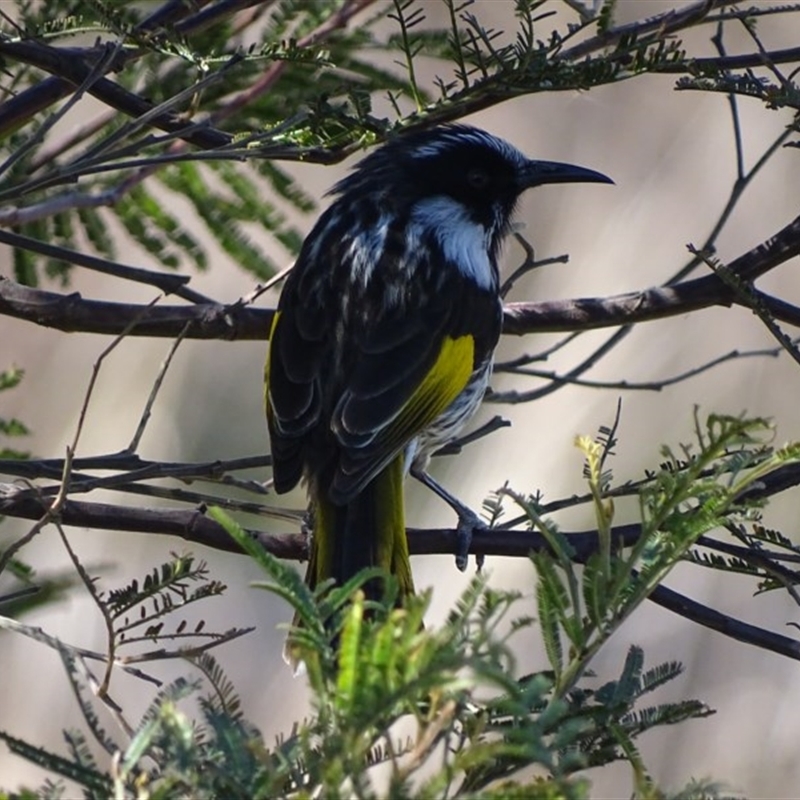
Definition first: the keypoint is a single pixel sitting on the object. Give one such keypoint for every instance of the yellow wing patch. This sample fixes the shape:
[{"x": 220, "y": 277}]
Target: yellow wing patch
[{"x": 444, "y": 382}]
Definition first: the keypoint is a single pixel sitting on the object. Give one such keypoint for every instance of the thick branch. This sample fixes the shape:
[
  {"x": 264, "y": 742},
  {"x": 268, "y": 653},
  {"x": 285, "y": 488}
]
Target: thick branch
[
  {"x": 659, "y": 302},
  {"x": 193, "y": 526},
  {"x": 73, "y": 313}
]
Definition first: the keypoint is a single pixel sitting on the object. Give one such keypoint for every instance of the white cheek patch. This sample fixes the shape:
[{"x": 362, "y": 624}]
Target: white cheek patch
[{"x": 464, "y": 242}]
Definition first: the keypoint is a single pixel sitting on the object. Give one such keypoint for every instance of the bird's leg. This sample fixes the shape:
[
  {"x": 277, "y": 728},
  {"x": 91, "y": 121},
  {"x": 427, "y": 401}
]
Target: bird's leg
[{"x": 468, "y": 520}]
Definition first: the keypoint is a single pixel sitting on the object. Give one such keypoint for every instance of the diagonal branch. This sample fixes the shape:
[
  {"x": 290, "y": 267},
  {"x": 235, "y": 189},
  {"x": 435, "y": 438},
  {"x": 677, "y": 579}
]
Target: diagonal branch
[
  {"x": 728, "y": 626},
  {"x": 166, "y": 282},
  {"x": 72, "y": 70},
  {"x": 71, "y": 67},
  {"x": 667, "y": 22}
]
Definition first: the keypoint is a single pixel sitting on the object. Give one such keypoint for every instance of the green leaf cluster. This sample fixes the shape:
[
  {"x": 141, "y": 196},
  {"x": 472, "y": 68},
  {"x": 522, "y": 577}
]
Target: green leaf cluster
[
  {"x": 398, "y": 710},
  {"x": 702, "y": 486},
  {"x": 294, "y": 80},
  {"x": 209, "y": 73},
  {"x": 402, "y": 709}
]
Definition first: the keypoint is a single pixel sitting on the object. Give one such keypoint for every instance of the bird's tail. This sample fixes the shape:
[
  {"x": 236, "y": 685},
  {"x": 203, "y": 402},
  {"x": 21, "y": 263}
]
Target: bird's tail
[{"x": 367, "y": 531}]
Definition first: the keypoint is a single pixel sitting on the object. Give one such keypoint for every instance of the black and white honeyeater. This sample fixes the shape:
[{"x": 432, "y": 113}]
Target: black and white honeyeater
[{"x": 382, "y": 345}]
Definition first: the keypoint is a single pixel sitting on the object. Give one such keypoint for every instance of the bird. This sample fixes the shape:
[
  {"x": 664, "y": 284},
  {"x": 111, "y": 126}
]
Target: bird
[{"x": 381, "y": 347}]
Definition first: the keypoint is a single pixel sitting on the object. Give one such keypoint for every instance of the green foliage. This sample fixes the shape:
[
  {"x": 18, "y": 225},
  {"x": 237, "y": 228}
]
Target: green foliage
[
  {"x": 453, "y": 687},
  {"x": 297, "y": 81},
  {"x": 137, "y": 612},
  {"x": 205, "y": 109},
  {"x": 402, "y": 709},
  {"x": 189, "y": 70},
  {"x": 158, "y": 230},
  {"x": 225, "y": 213},
  {"x": 701, "y": 487}
]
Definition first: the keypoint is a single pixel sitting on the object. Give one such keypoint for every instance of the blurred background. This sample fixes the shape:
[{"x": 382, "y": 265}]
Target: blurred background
[{"x": 672, "y": 156}]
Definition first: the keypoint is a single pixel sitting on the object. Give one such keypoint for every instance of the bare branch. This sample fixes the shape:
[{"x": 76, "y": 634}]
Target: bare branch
[
  {"x": 190, "y": 525},
  {"x": 515, "y": 396},
  {"x": 213, "y": 321},
  {"x": 744, "y": 61},
  {"x": 136, "y": 467},
  {"x": 664, "y": 23},
  {"x": 193, "y": 526},
  {"x": 722, "y": 623},
  {"x": 148, "y": 408},
  {"x": 70, "y": 312},
  {"x": 658, "y": 302}
]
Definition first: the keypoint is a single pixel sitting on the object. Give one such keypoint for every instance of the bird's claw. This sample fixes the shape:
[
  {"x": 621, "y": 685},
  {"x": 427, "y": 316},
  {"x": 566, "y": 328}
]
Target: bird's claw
[{"x": 468, "y": 523}]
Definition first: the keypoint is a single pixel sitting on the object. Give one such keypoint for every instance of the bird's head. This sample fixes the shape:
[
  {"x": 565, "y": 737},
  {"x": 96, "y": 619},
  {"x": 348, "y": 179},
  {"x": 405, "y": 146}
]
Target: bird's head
[{"x": 477, "y": 175}]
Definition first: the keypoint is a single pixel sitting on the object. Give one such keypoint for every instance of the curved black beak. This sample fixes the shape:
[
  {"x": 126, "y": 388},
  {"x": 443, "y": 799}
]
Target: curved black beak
[{"x": 537, "y": 173}]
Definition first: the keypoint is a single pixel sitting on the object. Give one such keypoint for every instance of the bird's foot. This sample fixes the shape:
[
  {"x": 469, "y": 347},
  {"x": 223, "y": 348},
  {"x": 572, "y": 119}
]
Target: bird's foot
[
  {"x": 468, "y": 520},
  {"x": 468, "y": 523}
]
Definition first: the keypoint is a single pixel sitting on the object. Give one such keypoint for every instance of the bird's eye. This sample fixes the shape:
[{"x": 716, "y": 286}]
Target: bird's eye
[{"x": 478, "y": 178}]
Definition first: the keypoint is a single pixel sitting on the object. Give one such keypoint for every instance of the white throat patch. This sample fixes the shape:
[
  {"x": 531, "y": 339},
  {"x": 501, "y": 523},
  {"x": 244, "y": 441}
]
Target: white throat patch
[{"x": 464, "y": 242}]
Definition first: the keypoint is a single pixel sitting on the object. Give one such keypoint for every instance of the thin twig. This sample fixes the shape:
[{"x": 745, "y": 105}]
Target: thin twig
[
  {"x": 531, "y": 358},
  {"x": 148, "y": 407},
  {"x": 250, "y": 298},
  {"x": 647, "y": 386},
  {"x": 137, "y": 468},
  {"x": 19, "y": 594},
  {"x": 717, "y": 41},
  {"x": 90, "y": 587},
  {"x": 126, "y": 483},
  {"x": 744, "y": 292},
  {"x": 528, "y": 265},
  {"x": 96, "y": 371},
  {"x": 37, "y": 634}
]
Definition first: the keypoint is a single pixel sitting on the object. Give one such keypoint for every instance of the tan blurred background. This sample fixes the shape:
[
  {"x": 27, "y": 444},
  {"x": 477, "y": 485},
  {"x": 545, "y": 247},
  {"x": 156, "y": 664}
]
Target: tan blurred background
[{"x": 672, "y": 157}]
